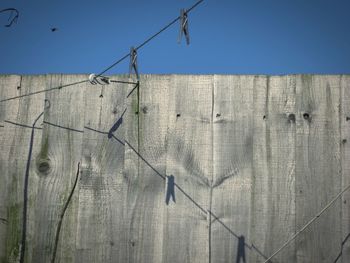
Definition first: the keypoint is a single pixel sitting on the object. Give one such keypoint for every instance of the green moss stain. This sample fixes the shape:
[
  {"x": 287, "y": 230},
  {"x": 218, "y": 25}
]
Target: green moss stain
[{"x": 13, "y": 232}]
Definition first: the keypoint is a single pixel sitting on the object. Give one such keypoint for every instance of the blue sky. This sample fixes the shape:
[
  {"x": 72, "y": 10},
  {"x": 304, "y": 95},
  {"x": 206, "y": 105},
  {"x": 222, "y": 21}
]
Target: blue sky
[{"x": 227, "y": 37}]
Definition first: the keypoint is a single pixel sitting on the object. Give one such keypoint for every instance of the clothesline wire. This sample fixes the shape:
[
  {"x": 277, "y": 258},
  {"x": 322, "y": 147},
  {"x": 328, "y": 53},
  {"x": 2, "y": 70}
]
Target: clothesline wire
[{"x": 114, "y": 64}]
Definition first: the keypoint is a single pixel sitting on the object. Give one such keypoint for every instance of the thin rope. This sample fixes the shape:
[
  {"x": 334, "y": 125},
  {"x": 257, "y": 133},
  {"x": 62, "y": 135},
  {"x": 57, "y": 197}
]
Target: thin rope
[{"x": 309, "y": 223}]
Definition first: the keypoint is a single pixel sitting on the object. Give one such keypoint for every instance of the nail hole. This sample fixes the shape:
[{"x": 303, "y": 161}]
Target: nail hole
[
  {"x": 178, "y": 115},
  {"x": 101, "y": 96},
  {"x": 264, "y": 117},
  {"x": 306, "y": 116},
  {"x": 347, "y": 118},
  {"x": 18, "y": 87},
  {"x": 218, "y": 115},
  {"x": 291, "y": 117},
  {"x": 344, "y": 141},
  {"x": 136, "y": 112}
]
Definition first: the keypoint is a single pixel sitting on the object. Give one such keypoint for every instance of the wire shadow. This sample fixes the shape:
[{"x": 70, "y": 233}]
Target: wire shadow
[
  {"x": 62, "y": 127},
  {"x": 251, "y": 247},
  {"x": 342, "y": 246}
]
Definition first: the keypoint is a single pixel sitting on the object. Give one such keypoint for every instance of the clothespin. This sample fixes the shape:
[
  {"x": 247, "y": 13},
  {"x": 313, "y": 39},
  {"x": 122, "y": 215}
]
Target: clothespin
[
  {"x": 184, "y": 26},
  {"x": 170, "y": 188},
  {"x": 133, "y": 62},
  {"x": 102, "y": 80}
]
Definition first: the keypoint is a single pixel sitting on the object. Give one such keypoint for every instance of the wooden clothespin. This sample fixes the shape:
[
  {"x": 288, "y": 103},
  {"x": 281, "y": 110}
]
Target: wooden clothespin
[
  {"x": 133, "y": 62},
  {"x": 170, "y": 188},
  {"x": 184, "y": 26}
]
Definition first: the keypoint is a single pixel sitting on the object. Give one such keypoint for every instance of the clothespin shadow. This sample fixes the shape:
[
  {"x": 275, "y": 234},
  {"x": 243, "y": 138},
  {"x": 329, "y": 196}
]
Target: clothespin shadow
[
  {"x": 101, "y": 80},
  {"x": 133, "y": 63},
  {"x": 116, "y": 125},
  {"x": 241, "y": 250},
  {"x": 170, "y": 189},
  {"x": 184, "y": 26},
  {"x": 12, "y": 19}
]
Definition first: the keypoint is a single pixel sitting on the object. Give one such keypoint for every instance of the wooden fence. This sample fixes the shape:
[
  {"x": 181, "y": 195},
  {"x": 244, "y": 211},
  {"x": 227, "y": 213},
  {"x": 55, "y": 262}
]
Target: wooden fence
[{"x": 253, "y": 158}]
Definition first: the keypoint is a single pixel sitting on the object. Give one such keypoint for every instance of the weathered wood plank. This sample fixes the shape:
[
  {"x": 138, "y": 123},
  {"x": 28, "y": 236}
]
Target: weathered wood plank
[
  {"x": 8, "y": 88},
  {"x": 318, "y": 176},
  {"x": 56, "y": 165},
  {"x": 20, "y": 140},
  {"x": 232, "y": 161},
  {"x": 101, "y": 234},
  {"x": 344, "y": 253},
  {"x": 146, "y": 203},
  {"x": 274, "y": 221},
  {"x": 189, "y": 160}
]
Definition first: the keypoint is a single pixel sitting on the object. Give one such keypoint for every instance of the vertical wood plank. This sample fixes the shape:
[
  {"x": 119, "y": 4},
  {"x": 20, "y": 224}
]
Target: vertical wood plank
[
  {"x": 56, "y": 165},
  {"x": 101, "y": 235},
  {"x": 281, "y": 164},
  {"x": 318, "y": 175},
  {"x": 260, "y": 173},
  {"x": 146, "y": 203},
  {"x": 344, "y": 253},
  {"x": 8, "y": 88},
  {"x": 18, "y": 136},
  {"x": 232, "y": 161},
  {"x": 189, "y": 160}
]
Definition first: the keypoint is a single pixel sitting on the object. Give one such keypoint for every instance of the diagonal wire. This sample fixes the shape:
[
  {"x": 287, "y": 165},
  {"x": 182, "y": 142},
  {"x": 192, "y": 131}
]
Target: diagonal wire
[
  {"x": 309, "y": 223},
  {"x": 115, "y": 63}
]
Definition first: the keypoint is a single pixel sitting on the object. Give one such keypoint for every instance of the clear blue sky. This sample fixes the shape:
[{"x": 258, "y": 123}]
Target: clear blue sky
[{"x": 229, "y": 37}]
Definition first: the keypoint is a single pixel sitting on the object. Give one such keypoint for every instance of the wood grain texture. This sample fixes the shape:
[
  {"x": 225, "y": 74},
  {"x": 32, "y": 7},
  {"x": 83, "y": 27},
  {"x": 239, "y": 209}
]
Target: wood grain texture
[
  {"x": 146, "y": 197},
  {"x": 101, "y": 233},
  {"x": 274, "y": 193},
  {"x": 318, "y": 170},
  {"x": 24, "y": 111},
  {"x": 189, "y": 160},
  {"x": 344, "y": 253},
  {"x": 8, "y": 88},
  {"x": 56, "y": 166},
  {"x": 232, "y": 163},
  {"x": 252, "y": 156}
]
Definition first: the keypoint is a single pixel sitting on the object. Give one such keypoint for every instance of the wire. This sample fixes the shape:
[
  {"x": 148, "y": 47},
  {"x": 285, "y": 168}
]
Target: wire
[
  {"x": 115, "y": 63},
  {"x": 309, "y": 223}
]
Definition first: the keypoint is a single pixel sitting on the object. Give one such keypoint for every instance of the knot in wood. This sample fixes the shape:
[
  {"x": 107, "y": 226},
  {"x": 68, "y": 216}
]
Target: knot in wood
[{"x": 43, "y": 166}]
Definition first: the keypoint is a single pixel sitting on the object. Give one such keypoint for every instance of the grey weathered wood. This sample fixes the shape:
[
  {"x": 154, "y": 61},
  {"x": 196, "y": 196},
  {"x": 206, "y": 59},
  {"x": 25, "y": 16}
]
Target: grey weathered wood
[
  {"x": 56, "y": 166},
  {"x": 189, "y": 160},
  {"x": 318, "y": 176},
  {"x": 146, "y": 204},
  {"x": 17, "y": 139},
  {"x": 260, "y": 173},
  {"x": 8, "y": 88},
  {"x": 345, "y": 163},
  {"x": 101, "y": 234},
  {"x": 275, "y": 217},
  {"x": 232, "y": 166},
  {"x": 254, "y": 170}
]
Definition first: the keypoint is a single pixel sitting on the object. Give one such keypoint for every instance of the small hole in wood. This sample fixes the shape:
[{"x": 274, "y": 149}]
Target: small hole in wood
[
  {"x": 291, "y": 117},
  {"x": 101, "y": 96},
  {"x": 145, "y": 109},
  {"x": 18, "y": 87},
  {"x": 306, "y": 116},
  {"x": 136, "y": 112},
  {"x": 347, "y": 118},
  {"x": 178, "y": 115},
  {"x": 264, "y": 117},
  {"x": 218, "y": 115},
  {"x": 344, "y": 140}
]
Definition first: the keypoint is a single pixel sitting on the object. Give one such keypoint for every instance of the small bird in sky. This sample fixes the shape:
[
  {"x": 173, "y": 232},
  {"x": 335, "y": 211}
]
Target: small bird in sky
[{"x": 54, "y": 29}]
